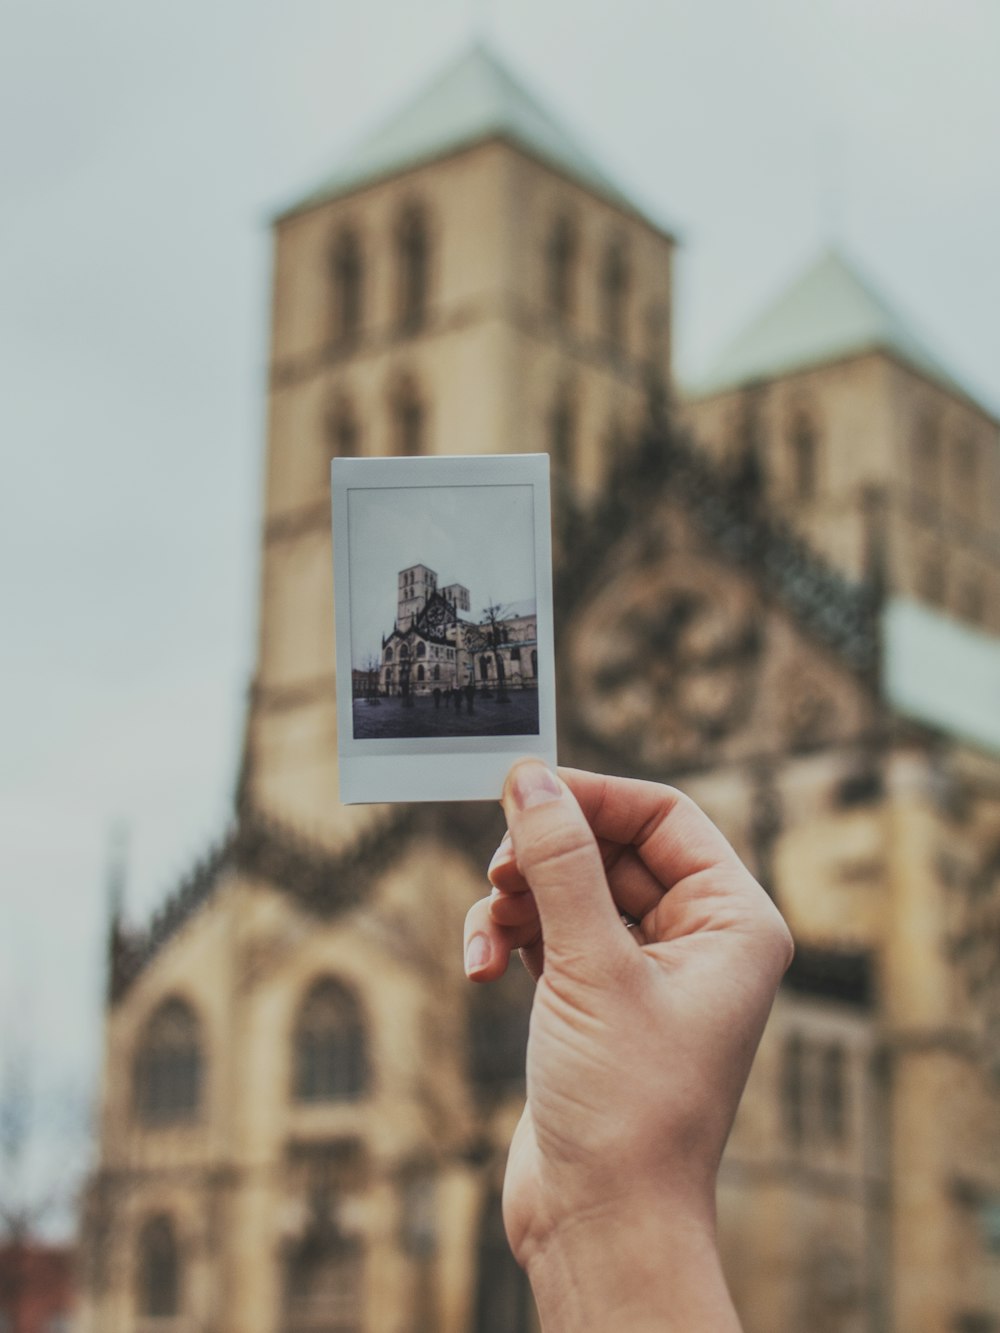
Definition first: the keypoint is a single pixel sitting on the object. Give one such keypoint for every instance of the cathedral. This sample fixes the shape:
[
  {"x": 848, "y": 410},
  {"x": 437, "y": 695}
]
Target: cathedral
[
  {"x": 765, "y": 587},
  {"x": 432, "y": 646}
]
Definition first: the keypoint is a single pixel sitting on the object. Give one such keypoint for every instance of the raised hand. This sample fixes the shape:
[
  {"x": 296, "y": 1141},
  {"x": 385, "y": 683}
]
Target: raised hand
[{"x": 641, "y": 1039}]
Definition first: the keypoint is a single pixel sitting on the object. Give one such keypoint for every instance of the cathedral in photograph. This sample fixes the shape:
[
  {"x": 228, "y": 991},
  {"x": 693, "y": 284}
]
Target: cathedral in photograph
[
  {"x": 436, "y": 644},
  {"x": 765, "y": 589}
]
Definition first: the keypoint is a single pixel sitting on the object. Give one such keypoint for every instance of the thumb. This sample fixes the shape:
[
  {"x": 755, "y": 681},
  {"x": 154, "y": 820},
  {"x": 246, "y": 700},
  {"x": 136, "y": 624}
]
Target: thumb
[{"x": 558, "y": 855}]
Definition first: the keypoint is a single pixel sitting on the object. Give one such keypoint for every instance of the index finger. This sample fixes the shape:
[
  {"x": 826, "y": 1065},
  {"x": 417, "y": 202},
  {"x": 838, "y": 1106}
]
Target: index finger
[
  {"x": 706, "y": 885},
  {"x": 672, "y": 835}
]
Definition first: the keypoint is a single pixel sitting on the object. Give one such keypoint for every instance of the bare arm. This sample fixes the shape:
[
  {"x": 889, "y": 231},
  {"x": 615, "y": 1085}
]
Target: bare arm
[{"x": 641, "y": 1041}]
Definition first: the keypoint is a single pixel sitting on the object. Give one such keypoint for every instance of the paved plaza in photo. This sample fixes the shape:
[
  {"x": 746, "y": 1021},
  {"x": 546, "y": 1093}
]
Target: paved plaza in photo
[{"x": 518, "y": 717}]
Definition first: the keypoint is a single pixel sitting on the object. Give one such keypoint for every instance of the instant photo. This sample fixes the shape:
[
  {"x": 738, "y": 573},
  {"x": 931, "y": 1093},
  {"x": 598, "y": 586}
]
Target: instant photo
[{"x": 443, "y": 588}]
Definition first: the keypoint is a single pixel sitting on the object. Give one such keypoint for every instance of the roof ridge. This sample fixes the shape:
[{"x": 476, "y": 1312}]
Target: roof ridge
[
  {"x": 475, "y": 96},
  {"x": 840, "y": 612},
  {"x": 831, "y": 308},
  {"x": 323, "y": 880}
]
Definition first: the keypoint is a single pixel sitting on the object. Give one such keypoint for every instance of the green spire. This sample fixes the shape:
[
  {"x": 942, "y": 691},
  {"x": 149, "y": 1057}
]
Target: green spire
[
  {"x": 474, "y": 99},
  {"x": 828, "y": 313}
]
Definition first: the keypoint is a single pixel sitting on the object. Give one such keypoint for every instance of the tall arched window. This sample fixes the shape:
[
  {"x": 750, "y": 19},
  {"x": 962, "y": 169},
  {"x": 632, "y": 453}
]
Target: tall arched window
[
  {"x": 562, "y": 432},
  {"x": 158, "y": 1280},
  {"x": 413, "y": 242},
  {"x": 561, "y": 262},
  {"x": 967, "y": 475},
  {"x": 330, "y": 1055},
  {"x": 614, "y": 295},
  {"x": 324, "y": 1290},
  {"x": 747, "y": 457},
  {"x": 408, "y": 419},
  {"x": 503, "y": 1296},
  {"x": 833, "y": 1093},
  {"x": 804, "y": 457},
  {"x": 342, "y": 428},
  {"x": 348, "y": 280},
  {"x": 793, "y": 1089},
  {"x": 927, "y": 460},
  {"x": 167, "y": 1073}
]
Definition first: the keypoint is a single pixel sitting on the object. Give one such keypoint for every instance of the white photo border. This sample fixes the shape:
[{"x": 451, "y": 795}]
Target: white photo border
[{"x": 447, "y": 768}]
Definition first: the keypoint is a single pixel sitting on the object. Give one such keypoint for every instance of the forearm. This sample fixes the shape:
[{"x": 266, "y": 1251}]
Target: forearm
[{"x": 653, "y": 1275}]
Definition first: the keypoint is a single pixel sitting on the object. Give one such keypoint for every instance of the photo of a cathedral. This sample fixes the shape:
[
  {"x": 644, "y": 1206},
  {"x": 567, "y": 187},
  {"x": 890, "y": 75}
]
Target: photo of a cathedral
[{"x": 446, "y": 672}]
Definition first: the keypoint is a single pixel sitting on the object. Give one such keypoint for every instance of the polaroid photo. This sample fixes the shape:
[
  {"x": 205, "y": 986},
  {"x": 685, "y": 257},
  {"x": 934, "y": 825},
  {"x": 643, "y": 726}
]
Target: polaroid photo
[{"x": 443, "y": 609}]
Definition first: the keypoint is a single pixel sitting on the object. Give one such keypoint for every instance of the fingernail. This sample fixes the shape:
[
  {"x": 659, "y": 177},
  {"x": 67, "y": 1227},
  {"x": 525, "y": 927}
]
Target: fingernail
[
  {"x": 505, "y": 852},
  {"x": 477, "y": 953},
  {"x": 534, "y": 784}
]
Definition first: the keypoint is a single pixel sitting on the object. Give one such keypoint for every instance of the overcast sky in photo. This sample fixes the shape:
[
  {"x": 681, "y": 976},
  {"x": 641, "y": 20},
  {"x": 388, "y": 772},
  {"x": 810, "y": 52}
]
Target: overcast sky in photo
[
  {"x": 145, "y": 148},
  {"x": 480, "y": 536}
]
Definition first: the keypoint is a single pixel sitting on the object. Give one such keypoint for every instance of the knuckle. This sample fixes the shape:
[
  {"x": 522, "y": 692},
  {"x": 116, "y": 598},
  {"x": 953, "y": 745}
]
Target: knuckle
[
  {"x": 780, "y": 939},
  {"x": 564, "y": 848}
]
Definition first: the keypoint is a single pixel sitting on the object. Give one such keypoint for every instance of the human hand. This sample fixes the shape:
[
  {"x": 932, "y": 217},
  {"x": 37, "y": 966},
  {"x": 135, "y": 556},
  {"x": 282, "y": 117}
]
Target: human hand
[{"x": 640, "y": 1044}]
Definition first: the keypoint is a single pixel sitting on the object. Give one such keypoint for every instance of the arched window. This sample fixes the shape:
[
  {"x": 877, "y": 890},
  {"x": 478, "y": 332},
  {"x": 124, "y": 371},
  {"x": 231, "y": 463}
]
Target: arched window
[
  {"x": 324, "y": 1287},
  {"x": 421, "y": 649},
  {"x": 388, "y": 654},
  {"x": 420, "y": 672},
  {"x": 158, "y": 1294},
  {"x": 805, "y": 457},
  {"x": 561, "y": 261},
  {"x": 927, "y": 459},
  {"x": 342, "y": 429},
  {"x": 833, "y": 1093},
  {"x": 967, "y": 474},
  {"x": 330, "y": 1049},
  {"x": 167, "y": 1073},
  {"x": 408, "y": 419},
  {"x": 658, "y": 337},
  {"x": 614, "y": 295},
  {"x": 793, "y": 1089},
  {"x": 503, "y": 1296},
  {"x": 348, "y": 278},
  {"x": 746, "y": 469},
  {"x": 413, "y": 241},
  {"x": 562, "y": 432}
]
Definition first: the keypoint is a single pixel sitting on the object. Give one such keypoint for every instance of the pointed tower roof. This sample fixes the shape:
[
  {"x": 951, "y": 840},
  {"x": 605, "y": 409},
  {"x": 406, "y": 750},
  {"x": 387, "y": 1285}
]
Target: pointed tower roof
[
  {"x": 474, "y": 99},
  {"x": 826, "y": 314}
]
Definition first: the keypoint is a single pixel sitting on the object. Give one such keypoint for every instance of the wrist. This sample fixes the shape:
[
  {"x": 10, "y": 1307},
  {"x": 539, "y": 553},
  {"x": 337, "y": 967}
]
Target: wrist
[{"x": 655, "y": 1269}]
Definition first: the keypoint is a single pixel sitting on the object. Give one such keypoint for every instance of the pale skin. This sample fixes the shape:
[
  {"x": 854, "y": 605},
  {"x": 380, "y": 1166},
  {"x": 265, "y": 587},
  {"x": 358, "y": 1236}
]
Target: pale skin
[{"x": 640, "y": 1044}]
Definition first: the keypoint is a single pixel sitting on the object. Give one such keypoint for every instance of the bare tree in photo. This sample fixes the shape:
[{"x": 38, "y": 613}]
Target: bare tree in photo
[
  {"x": 489, "y": 636},
  {"x": 373, "y": 670}
]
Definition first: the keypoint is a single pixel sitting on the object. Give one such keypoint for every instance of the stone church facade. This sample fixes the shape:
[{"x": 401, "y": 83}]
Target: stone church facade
[
  {"x": 436, "y": 644},
  {"x": 305, "y": 1105}
]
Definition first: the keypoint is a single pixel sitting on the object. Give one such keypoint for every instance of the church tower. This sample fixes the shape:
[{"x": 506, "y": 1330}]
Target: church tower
[
  {"x": 863, "y": 441},
  {"x": 468, "y": 280},
  {"x": 416, "y": 585}
]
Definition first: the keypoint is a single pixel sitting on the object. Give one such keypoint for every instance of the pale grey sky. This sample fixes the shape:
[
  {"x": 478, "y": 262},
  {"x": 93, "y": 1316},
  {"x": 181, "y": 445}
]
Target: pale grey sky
[
  {"x": 143, "y": 148},
  {"x": 480, "y": 536}
]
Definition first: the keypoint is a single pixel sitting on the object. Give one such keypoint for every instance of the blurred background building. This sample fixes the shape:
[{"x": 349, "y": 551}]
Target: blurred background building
[{"x": 305, "y": 1106}]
